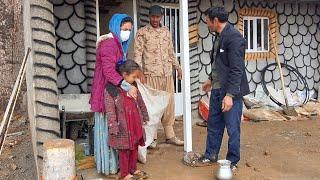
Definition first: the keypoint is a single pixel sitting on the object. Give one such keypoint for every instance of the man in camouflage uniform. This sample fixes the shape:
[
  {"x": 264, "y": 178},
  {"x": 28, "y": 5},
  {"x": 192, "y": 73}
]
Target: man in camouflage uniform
[{"x": 154, "y": 52}]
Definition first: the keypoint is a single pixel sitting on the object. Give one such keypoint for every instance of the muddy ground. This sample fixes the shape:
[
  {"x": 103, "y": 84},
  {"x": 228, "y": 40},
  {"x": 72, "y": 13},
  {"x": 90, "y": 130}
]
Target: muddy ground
[{"x": 270, "y": 150}]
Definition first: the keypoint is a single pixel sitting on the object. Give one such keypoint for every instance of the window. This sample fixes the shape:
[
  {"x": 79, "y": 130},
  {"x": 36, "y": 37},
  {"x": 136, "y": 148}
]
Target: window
[
  {"x": 256, "y": 32},
  {"x": 255, "y": 24}
]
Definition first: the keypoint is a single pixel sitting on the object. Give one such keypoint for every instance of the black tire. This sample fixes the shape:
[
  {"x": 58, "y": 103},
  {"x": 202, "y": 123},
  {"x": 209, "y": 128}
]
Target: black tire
[{"x": 294, "y": 71}]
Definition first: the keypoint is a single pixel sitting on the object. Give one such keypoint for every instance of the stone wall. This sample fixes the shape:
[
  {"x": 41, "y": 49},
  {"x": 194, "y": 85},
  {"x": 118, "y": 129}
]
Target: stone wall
[
  {"x": 70, "y": 25},
  {"x": 11, "y": 47}
]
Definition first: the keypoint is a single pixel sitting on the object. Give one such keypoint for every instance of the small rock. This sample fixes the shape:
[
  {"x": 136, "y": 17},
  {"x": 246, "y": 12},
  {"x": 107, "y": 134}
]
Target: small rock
[
  {"x": 23, "y": 170},
  {"x": 256, "y": 169},
  {"x": 307, "y": 134},
  {"x": 23, "y": 122},
  {"x": 12, "y": 157},
  {"x": 248, "y": 164},
  {"x": 13, "y": 167},
  {"x": 267, "y": 153},
  {"x": 11, "y": 144},
  {"x": 287, "y": 138}
]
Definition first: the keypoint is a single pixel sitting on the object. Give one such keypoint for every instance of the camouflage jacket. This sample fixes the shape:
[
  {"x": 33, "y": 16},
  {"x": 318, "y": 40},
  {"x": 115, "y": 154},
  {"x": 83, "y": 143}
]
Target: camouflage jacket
[{"x": 154, "y": 52}]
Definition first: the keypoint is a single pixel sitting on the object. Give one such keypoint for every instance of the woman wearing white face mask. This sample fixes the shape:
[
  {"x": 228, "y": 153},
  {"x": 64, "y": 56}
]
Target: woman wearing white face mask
[
  {"x": 125, "y": 35},
  {"x": 112, "y": 49}
]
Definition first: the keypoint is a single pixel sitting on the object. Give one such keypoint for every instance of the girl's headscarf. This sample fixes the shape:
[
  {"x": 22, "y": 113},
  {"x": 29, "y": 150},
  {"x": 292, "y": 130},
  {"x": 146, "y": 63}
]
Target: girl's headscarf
[{"x": 115, "y": 28}]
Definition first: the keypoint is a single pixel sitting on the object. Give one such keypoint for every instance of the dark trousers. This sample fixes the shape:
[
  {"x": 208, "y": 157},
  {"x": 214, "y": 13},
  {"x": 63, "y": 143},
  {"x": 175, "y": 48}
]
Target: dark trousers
[
  {"x": 217, "y": 121},
  {"x": 128, "y": 161}
]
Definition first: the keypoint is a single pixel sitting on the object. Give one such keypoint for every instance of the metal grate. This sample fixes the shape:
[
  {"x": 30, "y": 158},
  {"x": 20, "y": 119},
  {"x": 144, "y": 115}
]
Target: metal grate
[{"x": 171, "y": 20}]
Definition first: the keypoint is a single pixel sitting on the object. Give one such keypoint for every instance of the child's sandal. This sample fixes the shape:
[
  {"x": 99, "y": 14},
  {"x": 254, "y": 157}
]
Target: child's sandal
[
  {"x": 141, "y": 175},
  {"x": 131, "y": 178}
]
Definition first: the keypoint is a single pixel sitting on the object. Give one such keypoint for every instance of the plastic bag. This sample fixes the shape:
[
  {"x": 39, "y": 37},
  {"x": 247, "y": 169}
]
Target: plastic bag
[
  {"x": 204, "y": 104},
  {"x": 260, "y": 99},
  {"x": 156, "y": 102}
]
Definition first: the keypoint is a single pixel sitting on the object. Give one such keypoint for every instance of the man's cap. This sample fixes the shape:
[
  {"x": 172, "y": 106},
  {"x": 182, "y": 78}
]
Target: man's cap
[{"x": 155, "y": 10}]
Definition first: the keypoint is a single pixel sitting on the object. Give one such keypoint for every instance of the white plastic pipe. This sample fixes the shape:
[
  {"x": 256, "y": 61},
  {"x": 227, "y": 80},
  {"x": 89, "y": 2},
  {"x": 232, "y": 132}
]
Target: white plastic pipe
[
  {"x": 97, "y": 19},
  {"x": 135, "y": 17},
  {"x": 184, "y": 41}
]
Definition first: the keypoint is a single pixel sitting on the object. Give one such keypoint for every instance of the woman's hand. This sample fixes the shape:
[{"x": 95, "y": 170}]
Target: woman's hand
[
  {"x": 142, "y": 78},
  {"x": 133, "y": 92}
]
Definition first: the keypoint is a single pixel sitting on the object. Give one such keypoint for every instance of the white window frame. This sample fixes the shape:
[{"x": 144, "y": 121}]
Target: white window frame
[
  {"x": 254, "y": 49},
  {"x": 176, "y": 24}
]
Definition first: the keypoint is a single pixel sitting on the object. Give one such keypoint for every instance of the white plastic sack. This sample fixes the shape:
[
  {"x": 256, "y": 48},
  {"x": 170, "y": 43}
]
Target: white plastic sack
[
  {"x": 260, "y": 99},
  {"x": 156, "y": 103},
  {"x": 278, "y": 94}
]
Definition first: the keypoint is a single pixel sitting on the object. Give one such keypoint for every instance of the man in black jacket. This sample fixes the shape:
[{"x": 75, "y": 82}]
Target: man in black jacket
[{"x": 228, "y": 84}]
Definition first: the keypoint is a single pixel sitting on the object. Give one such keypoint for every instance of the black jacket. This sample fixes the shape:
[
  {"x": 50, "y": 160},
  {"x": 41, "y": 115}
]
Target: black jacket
[{"x": 230, "y": 62}]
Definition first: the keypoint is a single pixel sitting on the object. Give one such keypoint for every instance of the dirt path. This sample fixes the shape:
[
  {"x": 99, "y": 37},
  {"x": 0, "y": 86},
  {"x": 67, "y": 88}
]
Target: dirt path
[
  {"x": 270, "y": 150},
  {"x": 17, "y": 160}
]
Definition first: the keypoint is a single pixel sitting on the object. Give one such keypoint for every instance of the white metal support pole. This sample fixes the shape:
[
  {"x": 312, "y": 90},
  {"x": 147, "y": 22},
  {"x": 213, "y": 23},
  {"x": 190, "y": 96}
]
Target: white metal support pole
[
  {"x": 176, "y": 43},
  {"x": 135, "y": 17},
  {"x": 97, "y": 19},
  {"x": 184, "y": 40}
]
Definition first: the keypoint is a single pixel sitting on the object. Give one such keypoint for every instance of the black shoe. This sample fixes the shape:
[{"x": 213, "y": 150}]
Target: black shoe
[{"x": 203, "y": 161}]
